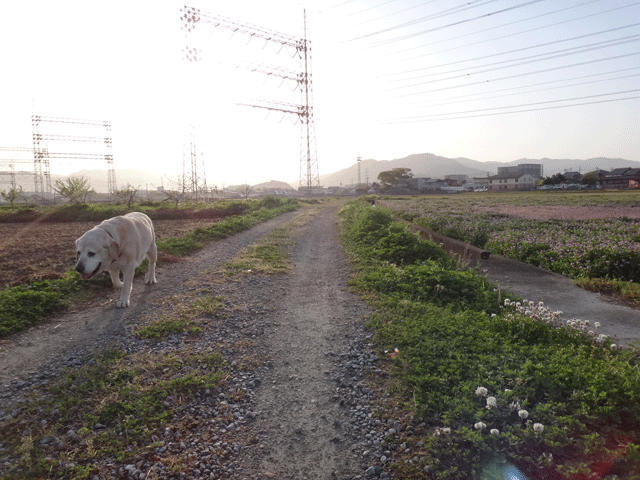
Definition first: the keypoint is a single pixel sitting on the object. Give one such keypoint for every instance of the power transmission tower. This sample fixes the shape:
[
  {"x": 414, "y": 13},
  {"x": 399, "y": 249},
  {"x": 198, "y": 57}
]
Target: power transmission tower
[
  {"x": 309, "y": 176},
  {"x": 193, "y": 171},
  {"x": 42, "y": 154},
  {"x": 359, "y": 159}
]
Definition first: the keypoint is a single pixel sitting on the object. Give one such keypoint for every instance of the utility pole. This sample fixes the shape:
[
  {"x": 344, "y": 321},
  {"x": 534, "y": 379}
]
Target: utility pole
[
  {"x": 309, "y": 176},
  {"x": 359, "y": 160}
]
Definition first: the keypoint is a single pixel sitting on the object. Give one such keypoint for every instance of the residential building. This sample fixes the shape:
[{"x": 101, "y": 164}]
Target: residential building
[
  {"x": 622, "y": 178},
  {"x": 501, "y": 183}
]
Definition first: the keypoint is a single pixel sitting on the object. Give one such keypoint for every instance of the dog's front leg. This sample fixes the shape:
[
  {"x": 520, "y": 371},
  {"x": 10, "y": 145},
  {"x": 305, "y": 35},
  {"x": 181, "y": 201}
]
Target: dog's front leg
[
  {"x": 126, "y": 288},
  {"x": 115, "y": 278}
]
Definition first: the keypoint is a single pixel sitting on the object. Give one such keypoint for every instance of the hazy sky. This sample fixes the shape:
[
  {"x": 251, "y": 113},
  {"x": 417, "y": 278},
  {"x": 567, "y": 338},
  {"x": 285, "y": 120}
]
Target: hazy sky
[{"x": 486, "y": 79}]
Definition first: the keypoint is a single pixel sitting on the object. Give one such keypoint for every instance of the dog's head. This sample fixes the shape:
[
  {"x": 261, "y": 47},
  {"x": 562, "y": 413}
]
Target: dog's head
[{"x": 96, "y": 250}]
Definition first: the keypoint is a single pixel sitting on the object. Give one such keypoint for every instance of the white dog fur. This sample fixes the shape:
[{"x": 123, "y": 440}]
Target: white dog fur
[{"x": 118, "y": 244}]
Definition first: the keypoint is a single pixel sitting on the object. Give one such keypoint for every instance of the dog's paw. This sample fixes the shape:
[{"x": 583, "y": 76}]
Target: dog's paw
[
  {"x": 150, "y": 281},
  {"x": 122, "y": 303}
]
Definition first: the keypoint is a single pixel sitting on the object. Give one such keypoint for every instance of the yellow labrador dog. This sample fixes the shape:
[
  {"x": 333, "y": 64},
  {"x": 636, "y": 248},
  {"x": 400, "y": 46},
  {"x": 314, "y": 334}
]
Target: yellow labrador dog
[{"x": 118, "y": 244}]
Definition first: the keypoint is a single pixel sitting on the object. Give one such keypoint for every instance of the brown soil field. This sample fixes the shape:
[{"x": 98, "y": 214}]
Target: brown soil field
[{"x": 34, "y": 251}]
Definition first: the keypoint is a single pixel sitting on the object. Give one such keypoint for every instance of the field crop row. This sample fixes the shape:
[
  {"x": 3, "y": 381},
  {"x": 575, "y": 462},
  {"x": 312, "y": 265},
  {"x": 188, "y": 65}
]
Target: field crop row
[{"x": 562, "y": 238}]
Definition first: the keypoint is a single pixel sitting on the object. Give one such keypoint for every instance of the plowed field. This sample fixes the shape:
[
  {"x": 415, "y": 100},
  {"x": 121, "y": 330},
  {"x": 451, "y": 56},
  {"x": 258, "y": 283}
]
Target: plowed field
[{"x": 31, "y": 251}]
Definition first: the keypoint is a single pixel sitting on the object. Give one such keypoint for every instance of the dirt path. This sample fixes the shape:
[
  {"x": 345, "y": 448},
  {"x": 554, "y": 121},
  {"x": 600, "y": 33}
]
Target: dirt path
[
  {"x": 307, "y": 428},
  {"x": 303, "y": 411}
]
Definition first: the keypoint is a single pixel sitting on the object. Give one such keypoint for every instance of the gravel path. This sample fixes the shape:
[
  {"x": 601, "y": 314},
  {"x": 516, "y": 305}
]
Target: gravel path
[{"x": 301, "y": 399}]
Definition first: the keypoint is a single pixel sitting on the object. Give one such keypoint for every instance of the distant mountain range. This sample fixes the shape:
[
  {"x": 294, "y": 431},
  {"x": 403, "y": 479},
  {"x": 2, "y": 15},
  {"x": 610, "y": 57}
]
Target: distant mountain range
[
  {"x": 433, "y": 166},
  {"x": 421, "y": 165}
]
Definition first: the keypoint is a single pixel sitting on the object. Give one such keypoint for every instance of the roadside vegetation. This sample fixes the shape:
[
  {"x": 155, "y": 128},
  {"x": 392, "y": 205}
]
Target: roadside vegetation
[
  {"x": 600, "y": 254},
  {"x": 113, "y": 407},
  {"x": 25, "y": 305},
  {"x": 493, "y": 377}
]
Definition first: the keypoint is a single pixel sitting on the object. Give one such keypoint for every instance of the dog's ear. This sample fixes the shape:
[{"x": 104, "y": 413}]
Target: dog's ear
[{"x": 114, "y": 250}]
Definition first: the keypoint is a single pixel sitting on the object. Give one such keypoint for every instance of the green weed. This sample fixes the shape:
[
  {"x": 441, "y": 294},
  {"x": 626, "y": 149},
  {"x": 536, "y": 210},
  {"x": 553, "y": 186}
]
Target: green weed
[
  {"x": 130, "y": 396},
  {"x": 579, "y": 396},
  {"x": 166, "y": 326}
]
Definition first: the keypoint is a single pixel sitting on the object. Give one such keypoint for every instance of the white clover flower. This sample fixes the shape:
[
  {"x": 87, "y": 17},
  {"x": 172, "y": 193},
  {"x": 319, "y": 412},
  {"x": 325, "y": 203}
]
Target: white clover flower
[
  {"x": 495, "y": 432},
  {"x": 507, "y": 302},
  {"x": 523, "y": 414},
  {"x": 480, "y": 426},
  {"x": 481, "y": 391},
  {"x": 541, "y": 304},
  {"x": 446, "y": 430},
  {"x": 514, "y": 406},
  {"x": 597, "y": 325},
  {"x": 531, "y": 303},
  {"x": 493, "y": 315},
  {"x": 538, "y": 427},
  {"x": 517, "y": 304},
  {"x": 491, "y": 402},
  {"x": 586, "y": 322},
  {"x": 613, "y": 346}
]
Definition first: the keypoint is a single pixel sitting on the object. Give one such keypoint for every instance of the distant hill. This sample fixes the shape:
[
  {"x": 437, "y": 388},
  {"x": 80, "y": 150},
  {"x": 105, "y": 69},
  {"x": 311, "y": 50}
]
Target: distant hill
[
  {"x": 270, "y": 185},
  {"x": 433, "y": 166}
]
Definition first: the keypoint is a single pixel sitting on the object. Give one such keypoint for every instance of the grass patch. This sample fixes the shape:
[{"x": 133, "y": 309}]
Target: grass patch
[
  {"x": 578, "y": 393},
  {"x": 110, "y": 408},
  {"x": 25, "y": 305},
  {"x": 166, "y": 326},
  {"x": 269, "y": 255},
  {"x": 627, "y": 292}
]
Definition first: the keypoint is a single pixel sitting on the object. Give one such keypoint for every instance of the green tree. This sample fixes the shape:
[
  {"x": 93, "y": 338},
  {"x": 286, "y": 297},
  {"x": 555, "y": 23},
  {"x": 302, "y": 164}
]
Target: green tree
[
  {"x": 12, "y": 195},
  {"x": 554, "y": 180},
  {"x": 75, "y": 189},
  {"x": 391, "y": 177},
  {"x": 591, "y": 179}
]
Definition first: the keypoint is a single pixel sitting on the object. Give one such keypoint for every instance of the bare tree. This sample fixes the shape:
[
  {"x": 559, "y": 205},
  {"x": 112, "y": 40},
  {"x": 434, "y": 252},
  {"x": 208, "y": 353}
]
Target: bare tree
[
  {"x": 177, "y": 192},
  {"x": 127, "y": 194}
]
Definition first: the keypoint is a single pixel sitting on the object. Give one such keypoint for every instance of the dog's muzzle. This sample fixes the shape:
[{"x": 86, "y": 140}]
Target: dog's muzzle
[{"x": 87, "y": 276}]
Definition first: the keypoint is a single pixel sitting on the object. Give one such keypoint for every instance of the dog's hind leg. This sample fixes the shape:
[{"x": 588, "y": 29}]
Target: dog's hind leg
[
  {"x": 126, "y": 288},
  {"x": 152, "y": 255}
]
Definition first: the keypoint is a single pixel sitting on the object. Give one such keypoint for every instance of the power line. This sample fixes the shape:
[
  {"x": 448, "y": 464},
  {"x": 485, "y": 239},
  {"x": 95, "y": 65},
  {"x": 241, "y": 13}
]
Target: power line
[
  {"x": 367, "y": 9},
  {"x": 497, "y": 12},
  {"x": 486, "y": 30},
  {"x": 395, "y": 13},
  {"x": 521, "y": 105},
  {"x": 524, "y": 31},
  {"x": 505, "y": 113},
  {"x": 521, "y": 74},
  {"x": 527, "y": 60},
  {"x": 339, "y": 4},
  {"x": 512, "y": 51},
  {"x": 433, "y": 16},
  {"x": 543, "y": 83},
  {"x": 521, "y": 92}
]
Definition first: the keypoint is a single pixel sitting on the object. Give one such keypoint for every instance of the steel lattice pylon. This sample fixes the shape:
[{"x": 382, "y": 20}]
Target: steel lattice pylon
[
  {"x": 309, "y": 175},
  {"x": 42, "y": 154}
]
